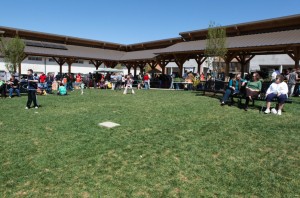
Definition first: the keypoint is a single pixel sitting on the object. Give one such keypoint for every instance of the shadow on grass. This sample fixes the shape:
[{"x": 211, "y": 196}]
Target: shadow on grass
[{"x": 237, "y": 104}]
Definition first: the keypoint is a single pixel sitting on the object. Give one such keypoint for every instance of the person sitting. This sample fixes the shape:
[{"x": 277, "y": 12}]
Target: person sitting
[
  {"x": 278, "y": 89},
  {"x": 253, "y": 89},
  {"x": 14, "y": 86},
  {"x": 62, "y": 91},
  {"x": 233, "y": 88}
]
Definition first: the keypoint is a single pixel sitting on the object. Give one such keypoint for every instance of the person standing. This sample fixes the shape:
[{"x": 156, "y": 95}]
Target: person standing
[
  {"x": 89, "y": 80},
  {"x": 202, "y": 77},
  {"x": 274, "y": 74},
  {"x": 129, "y": 82},
  {"x": 69, "y": 82},
  {"x": 78, "y": 80},
  {"x": 292, "y": 80},
  {"x": 49, "y": 81},
  {"x": 146, "y": 81},
  {"x": 32, "y": 86}
]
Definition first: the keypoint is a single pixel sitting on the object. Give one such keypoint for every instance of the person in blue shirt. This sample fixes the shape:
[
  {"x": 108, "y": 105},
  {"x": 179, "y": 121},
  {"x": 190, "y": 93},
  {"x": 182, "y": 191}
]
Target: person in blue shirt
[
  {"x": 234, "y": 87},
  {"x": 32, "y": 86},
  {"x": 62, "y": 91}
]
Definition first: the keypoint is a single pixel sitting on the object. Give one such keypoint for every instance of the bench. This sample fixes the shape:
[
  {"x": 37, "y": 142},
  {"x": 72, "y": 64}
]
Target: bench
[{"x": 220, "y": 87}]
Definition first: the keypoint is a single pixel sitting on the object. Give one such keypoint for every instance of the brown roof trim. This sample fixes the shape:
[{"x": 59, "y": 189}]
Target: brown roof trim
[
  {"x": 48, "y": 37},
  {"x": 254, "y": 27},
  {"x": 156, "y": 44}
]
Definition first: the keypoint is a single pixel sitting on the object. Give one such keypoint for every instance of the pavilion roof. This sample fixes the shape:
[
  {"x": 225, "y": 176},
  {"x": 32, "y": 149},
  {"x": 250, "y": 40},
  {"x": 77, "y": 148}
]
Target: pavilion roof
[
  {"x": 62, "y": 39},
  {"x": 76, "y": 52},
  {"x": 254, "y": 27},
  {"x": 253, "y": 36},
  {"x": 240, "y": 42}
]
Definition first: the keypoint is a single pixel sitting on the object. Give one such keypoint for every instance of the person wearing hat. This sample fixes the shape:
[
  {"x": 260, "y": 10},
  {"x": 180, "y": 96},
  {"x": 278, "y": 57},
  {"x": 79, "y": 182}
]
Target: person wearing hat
[{"x": 32, "y": 86}]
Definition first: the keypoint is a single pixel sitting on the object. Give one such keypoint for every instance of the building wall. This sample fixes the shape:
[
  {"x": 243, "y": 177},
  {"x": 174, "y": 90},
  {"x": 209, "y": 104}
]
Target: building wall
[{"x": 271, "y": 60}]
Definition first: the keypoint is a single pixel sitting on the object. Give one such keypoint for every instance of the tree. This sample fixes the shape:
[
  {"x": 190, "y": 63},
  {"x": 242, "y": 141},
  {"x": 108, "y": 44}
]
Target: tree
[
  {"x": 119, "y": 66},
  {"x": 13, "y": 52},
  {"x": 216, "y": 45},
  {"x": 147, "y": 68}
]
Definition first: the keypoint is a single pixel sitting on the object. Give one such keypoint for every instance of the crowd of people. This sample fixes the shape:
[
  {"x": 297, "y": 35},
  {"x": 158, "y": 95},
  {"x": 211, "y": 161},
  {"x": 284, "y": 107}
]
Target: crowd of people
[{"x": 282, "y": 86}]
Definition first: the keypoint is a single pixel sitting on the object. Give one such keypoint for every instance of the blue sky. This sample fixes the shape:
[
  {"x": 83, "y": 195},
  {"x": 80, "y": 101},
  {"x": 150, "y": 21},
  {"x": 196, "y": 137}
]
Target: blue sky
[{"x": 134, "y": 21}]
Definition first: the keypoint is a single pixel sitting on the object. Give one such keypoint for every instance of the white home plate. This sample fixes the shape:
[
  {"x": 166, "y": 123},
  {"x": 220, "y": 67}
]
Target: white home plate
[{"x": 108, "y": 124}]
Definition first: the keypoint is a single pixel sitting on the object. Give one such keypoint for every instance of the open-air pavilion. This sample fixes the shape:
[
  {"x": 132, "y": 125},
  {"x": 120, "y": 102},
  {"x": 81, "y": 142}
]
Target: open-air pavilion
[{"x": 246, "y": 40}]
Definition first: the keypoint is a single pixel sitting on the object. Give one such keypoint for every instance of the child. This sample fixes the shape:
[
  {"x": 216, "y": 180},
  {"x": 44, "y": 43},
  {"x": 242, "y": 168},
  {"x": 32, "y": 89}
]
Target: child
[
  {"x": 62, "y": 91},
  {"x": 128, "y": 84},
  {"x": 32, "y": 86},
  {"x": 82, "y": 87}
]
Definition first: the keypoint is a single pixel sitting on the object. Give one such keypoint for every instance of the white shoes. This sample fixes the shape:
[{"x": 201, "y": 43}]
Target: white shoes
[
  {"x": 26, "y": 108},
  {"x": 274, "y": 111},
  {"x": 36, "y": 107}
]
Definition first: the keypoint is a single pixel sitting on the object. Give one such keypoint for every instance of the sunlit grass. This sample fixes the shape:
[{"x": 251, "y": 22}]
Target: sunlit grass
[{"x": 169, "y": 144}]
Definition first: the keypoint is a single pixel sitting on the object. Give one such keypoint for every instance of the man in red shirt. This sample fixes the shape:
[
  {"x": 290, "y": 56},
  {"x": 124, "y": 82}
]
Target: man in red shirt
[{"x": 42, "y": 79}]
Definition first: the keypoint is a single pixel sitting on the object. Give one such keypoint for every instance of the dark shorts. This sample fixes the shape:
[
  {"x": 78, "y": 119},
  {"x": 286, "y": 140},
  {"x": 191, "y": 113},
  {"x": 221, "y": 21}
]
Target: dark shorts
[{"x": 281, "y": 99}]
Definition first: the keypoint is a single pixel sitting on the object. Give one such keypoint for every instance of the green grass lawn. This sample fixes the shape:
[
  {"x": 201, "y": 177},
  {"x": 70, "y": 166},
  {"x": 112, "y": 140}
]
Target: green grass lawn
[{"x": 169, "y": 144}]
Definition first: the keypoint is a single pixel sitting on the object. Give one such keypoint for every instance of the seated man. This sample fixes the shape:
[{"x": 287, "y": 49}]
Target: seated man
[
  {"x": 234, "y": 87},
  {"x": 14, "y": 86},
  {"x": 278, "y": 89},
  {"x": 62, "y": 91}
]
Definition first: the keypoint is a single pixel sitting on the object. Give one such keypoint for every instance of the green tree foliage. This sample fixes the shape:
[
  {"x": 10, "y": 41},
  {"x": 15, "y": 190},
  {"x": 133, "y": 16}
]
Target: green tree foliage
[
  {"x": 13, "y": 52},
  {"x": 216, "y": 45},
  {"x": 119, "y": 66}
]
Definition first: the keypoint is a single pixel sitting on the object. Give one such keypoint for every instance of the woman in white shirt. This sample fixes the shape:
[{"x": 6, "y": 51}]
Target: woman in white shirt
[{"x": 279, "y": 90}]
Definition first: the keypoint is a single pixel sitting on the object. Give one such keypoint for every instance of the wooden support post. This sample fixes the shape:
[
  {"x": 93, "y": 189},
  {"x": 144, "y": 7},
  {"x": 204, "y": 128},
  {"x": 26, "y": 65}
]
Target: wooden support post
[
  {"x": 96, "y": 63},
  {"x": 163, "y": 63},
  {"x": 153, "y": 65},
  {"x": 128, "y": 65},
  {"x": 110, "y": 64},
  {"x": 295, "y": 55},
  {"x": 134, "y": 70},
  {"x": 60, "y": 71},
  {"x": 60, "y": 62},
  {"x": 200, "y": 60},
  {"x": 142, "y": 66},
  {"x": 244, "y": 60},
  {"x": 180, "y": 60},
  {"x": 228, "y": 58},
  {"x": 70, "y": 61}
]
